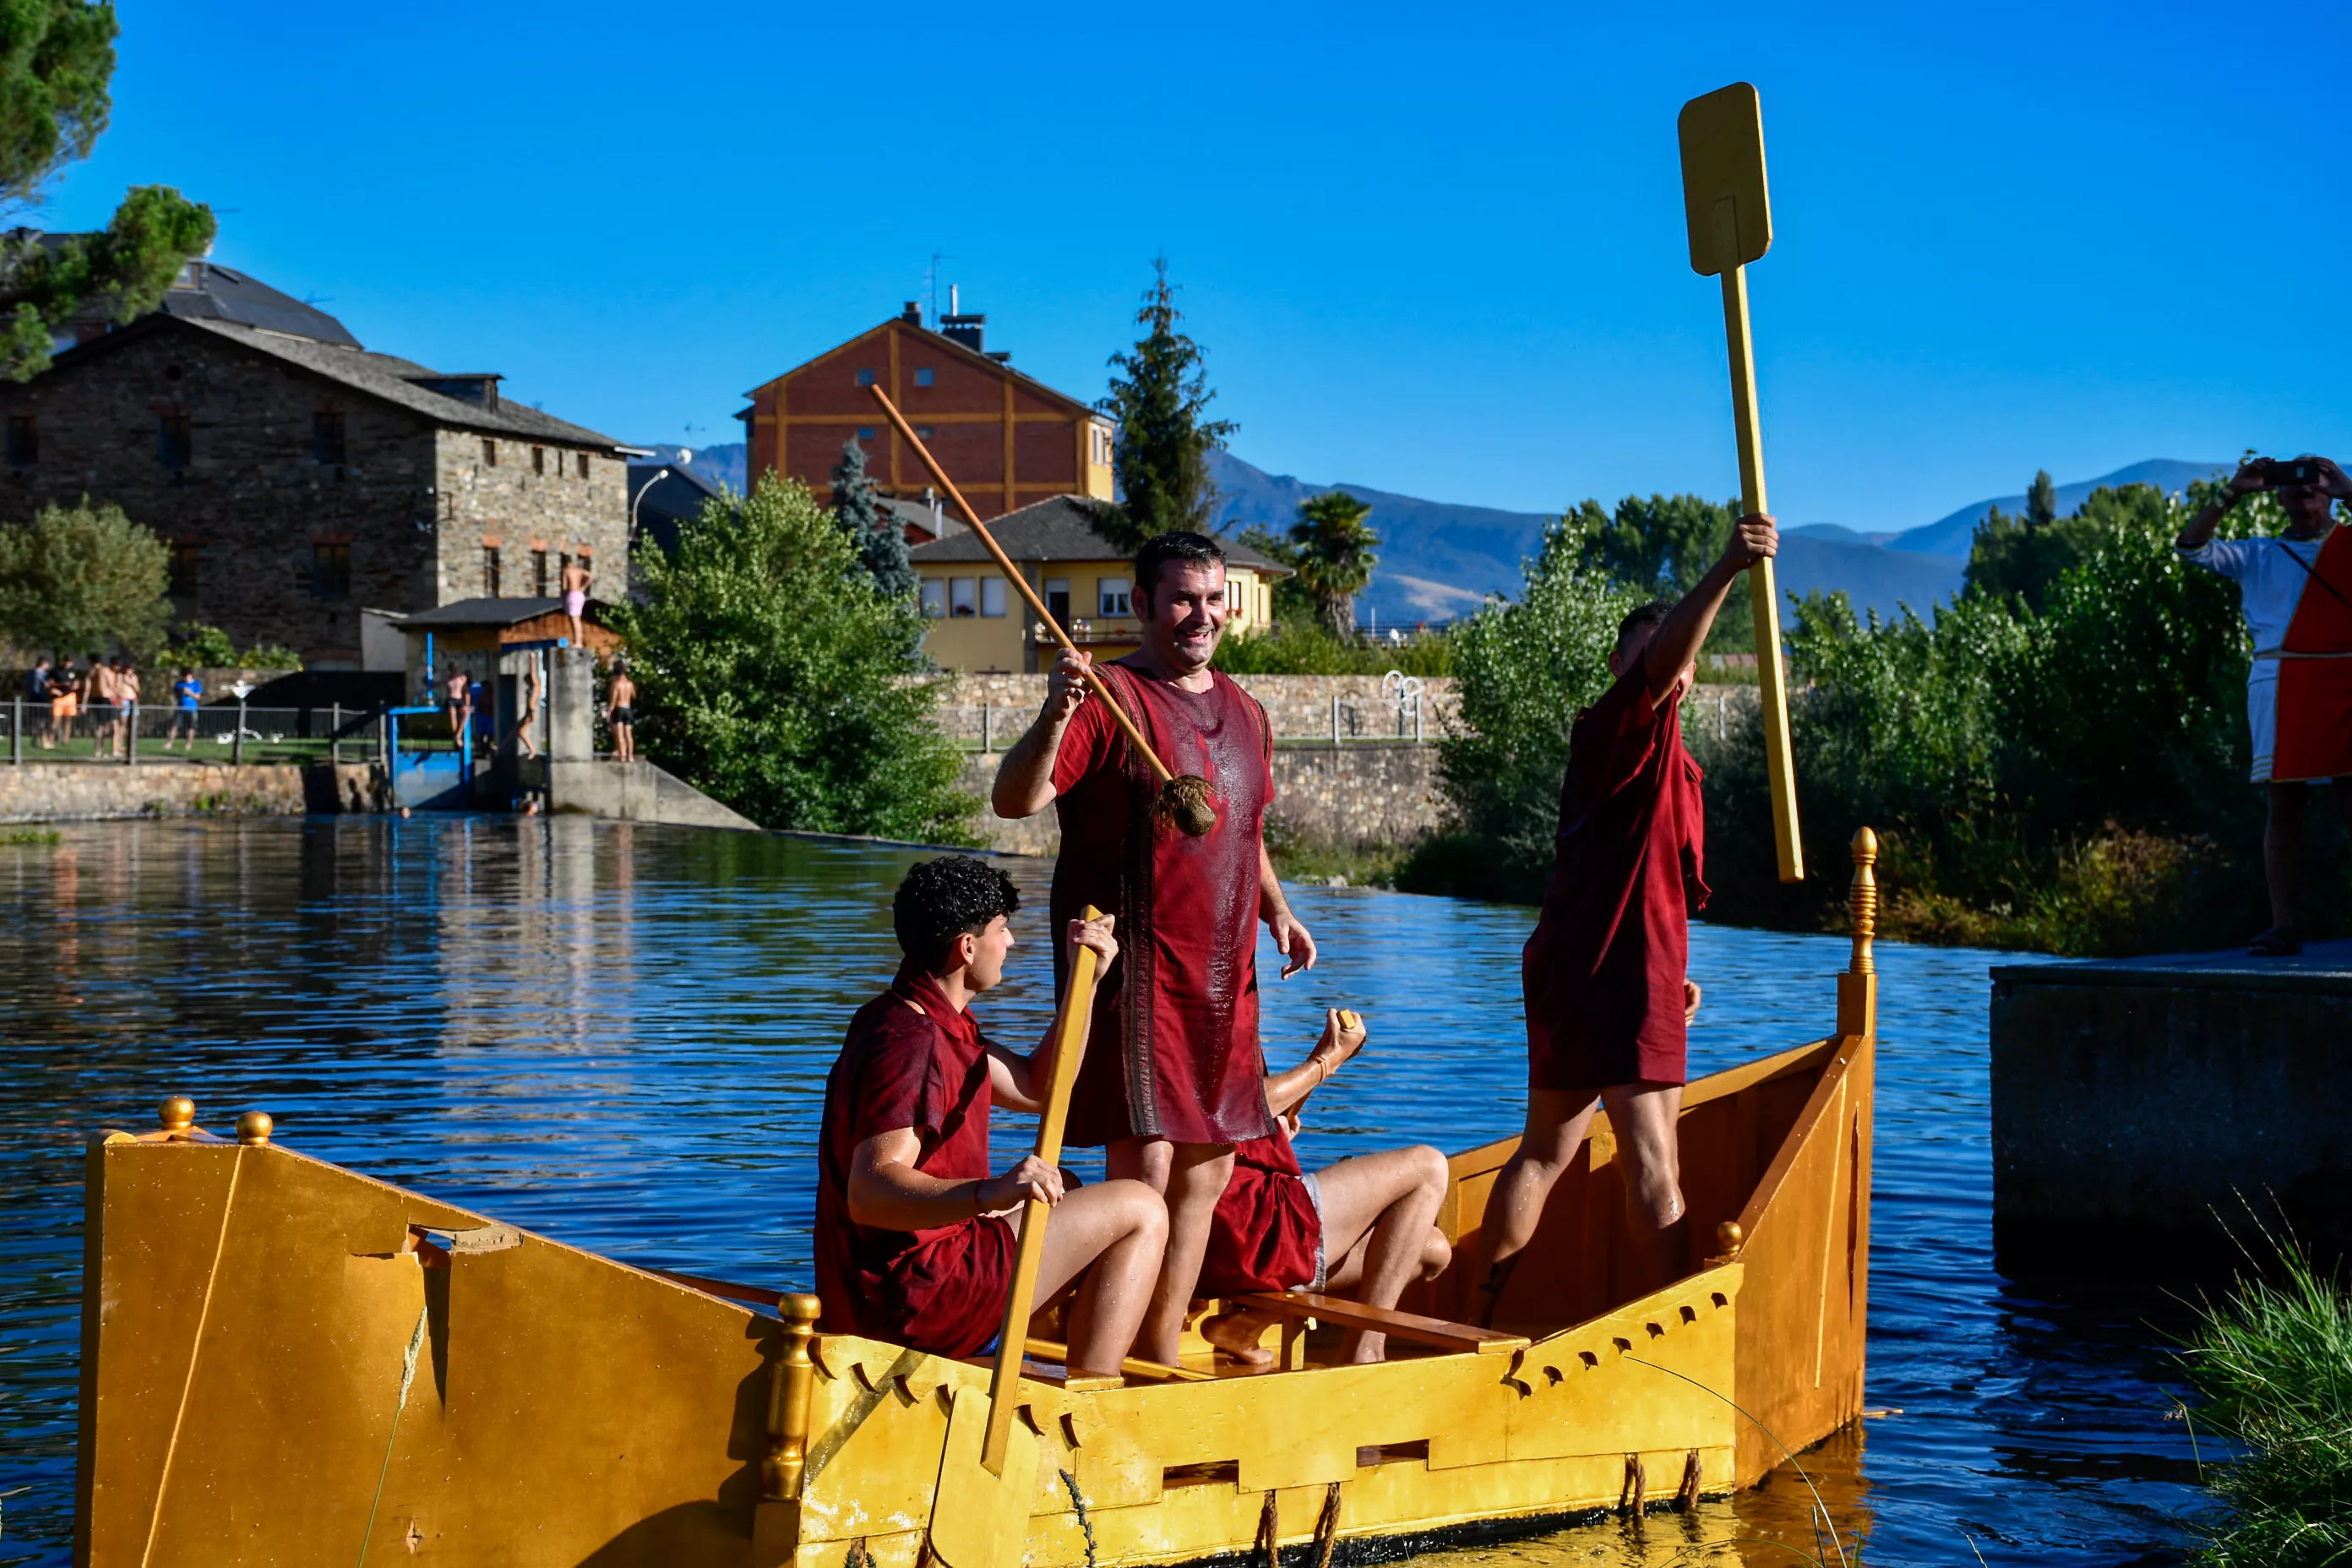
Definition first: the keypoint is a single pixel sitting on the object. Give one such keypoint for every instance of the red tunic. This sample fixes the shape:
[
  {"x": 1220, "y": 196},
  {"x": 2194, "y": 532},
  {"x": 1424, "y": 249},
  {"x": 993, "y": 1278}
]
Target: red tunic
[
  {"x": 2315, "y": 678},
  {"x": 1269, "y": 1230},
  {"x": 940, "y": 1290},
  {"x": 1174, "y": 1042},
  {"x": 1603, "y": 975}
]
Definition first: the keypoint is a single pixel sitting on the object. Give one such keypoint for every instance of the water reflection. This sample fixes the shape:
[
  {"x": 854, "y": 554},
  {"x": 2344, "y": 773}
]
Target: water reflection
[{"x": 618, "y": 1035}]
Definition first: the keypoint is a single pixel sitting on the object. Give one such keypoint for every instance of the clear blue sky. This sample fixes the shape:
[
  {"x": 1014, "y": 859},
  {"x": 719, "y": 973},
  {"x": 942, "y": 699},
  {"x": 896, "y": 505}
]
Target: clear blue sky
[{"x": 1437, "y": 250}]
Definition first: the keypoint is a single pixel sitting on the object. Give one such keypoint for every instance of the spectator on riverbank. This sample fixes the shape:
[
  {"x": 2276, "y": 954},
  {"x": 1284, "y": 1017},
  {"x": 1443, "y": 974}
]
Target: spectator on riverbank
[
  {"x": 65, "y": 701},
  {"x": 126, "y": 707},
  {"x": 101, "y": 705},
  {"x": 36, "y": 688},
  {"x": 187, "y": 695},
  {"x": 621, "y": 712},
  {"x": 2295, "y": 590}
]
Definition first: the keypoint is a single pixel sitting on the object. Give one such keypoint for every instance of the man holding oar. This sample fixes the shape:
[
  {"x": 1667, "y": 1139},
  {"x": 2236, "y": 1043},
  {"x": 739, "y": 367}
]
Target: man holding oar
[
  {"x": 913, "y": 1245},
  {"x": 1608, "y": 998},
  {"x": 1172, "y": 1083}
]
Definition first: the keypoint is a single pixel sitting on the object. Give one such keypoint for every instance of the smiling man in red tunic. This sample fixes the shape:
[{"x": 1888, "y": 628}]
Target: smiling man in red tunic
[
  {"x": 1172, "y": 1083},
  {"x": 1604, "y": 976},
  {"x": 915, "y": 1235}
]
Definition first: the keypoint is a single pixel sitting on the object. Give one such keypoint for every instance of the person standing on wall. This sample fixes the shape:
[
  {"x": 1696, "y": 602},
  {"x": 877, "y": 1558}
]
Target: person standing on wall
[
  {"x": 1174, "y": 1081},
  {"x": 576, "y": 579},
  {"x": 2296, "y": 592},
  {"x": 1605, "y": 976},
  {"x": 621, "y": 714}
]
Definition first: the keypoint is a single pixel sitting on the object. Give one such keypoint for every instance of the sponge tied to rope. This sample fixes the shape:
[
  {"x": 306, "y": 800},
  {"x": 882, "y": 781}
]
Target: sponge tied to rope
[{"x": 1184, "y": 800}]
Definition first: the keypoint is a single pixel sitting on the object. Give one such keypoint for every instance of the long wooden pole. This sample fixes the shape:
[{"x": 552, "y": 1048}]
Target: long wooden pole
[
  {"x": 1070, "y": 1046},
  {"x": 1763, "y": 594},
  {"x": 1013, "y": 575}
]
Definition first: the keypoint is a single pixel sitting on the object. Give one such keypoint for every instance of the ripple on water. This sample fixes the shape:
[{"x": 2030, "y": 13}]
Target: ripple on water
[{"x": 618, "y": 1037}]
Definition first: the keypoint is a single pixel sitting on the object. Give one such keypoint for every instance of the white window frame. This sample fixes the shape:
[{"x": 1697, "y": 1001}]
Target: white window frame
[
  {"x": 935, "y": 598},
  {"x": 991, "y": 598},
  {"x": 1114, "y": 596},
  {"x": 963, "y": 598}
]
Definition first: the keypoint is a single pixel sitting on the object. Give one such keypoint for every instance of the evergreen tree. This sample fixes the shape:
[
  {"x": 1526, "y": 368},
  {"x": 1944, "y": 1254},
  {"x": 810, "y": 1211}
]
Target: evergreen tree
[
  {"x": 873, "y": 533},
  {"x": 1161, "y": 459},
  {"x": 1659, "y": 548},
  {"x": 2042, "y": 501},
  {"x": 1335, "y": 556},
  {"x": 57, "y": 57}
]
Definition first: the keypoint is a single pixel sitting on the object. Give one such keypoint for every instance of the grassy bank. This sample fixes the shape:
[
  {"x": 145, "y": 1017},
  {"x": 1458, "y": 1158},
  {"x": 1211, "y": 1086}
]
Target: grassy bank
[{"x": 2271, "y": 1368}]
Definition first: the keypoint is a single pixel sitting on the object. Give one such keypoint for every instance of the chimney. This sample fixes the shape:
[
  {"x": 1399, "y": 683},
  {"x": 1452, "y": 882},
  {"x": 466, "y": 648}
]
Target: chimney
[
  {"x": 913, "y": 315},
  {"x": 953, "y": 307},
  {"x": 964, "y": 330}
]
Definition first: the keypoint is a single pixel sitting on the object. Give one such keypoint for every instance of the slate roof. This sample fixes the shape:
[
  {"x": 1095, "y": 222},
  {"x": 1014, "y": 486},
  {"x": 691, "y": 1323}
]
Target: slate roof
[
  {"x": 1063, "y": 529},
  {"x": 385, "y": 377},
  {"x": 214, "y": 292}
]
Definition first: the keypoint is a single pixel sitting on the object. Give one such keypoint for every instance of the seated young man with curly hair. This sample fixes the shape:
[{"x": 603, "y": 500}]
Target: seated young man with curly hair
[
  {"x": 915, "y": 1235},
  {"x": 1364, "y": 1227}
]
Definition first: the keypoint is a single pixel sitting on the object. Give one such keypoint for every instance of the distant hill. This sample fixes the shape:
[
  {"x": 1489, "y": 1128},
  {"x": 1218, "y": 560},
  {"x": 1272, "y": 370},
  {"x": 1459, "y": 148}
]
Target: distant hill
[
  {"x": 720, "y": 465},
  {"x": 1950, "y": 535},
  {"x": 1439, "y": 560}
]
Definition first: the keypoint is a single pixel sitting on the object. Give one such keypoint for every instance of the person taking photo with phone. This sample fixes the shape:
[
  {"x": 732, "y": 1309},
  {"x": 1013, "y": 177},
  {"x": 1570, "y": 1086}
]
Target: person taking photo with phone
[{"x": 2296, "y": 592}]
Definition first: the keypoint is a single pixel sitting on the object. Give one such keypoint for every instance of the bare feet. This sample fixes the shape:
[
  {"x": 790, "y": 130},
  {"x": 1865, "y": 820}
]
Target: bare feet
[{"x": 1236, "y": 1333}]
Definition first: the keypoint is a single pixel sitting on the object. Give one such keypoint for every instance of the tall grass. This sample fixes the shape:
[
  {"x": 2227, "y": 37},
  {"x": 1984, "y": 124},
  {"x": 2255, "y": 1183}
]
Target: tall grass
[{"x": 2272, "y": 1367}]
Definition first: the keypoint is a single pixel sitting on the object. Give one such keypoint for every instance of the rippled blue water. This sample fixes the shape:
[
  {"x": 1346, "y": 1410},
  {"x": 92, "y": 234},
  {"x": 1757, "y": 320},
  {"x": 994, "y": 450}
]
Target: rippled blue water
[{"x": 618, "y": 1035}]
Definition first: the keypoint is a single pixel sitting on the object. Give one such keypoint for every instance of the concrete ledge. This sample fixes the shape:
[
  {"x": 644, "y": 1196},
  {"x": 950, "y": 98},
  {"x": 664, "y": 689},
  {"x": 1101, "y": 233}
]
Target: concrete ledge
[{"x": 637, "y": 792}]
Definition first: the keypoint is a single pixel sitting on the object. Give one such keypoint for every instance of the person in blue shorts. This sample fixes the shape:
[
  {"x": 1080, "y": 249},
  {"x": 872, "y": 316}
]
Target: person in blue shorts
[{"x": 187, "y": 693}]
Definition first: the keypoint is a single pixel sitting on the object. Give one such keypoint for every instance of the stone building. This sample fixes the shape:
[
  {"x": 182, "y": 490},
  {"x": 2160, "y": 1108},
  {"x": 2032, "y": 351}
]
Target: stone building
[
  {"x": 1007, "y": 441},
  {"x": 299, "y": 478}
]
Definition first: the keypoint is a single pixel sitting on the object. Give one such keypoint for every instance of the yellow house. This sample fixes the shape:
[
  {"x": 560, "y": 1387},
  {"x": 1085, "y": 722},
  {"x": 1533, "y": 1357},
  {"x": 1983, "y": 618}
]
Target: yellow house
[{"x": 980, "y": 625}]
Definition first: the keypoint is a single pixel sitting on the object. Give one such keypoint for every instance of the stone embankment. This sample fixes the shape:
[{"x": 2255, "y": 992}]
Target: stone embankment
[
  {"x": 58, "y": 792},
  {"x": 1296, "y": 706}
]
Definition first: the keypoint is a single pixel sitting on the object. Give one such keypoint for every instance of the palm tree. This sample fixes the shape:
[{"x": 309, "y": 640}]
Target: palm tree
[{"x": 1335, "y": 556}]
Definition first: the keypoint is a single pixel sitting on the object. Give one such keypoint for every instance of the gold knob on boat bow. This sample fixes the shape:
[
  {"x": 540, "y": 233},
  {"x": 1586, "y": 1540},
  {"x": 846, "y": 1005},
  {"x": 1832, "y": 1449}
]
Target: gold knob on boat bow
[
  {"x": 176, "y": 1115},
  {"x": 253, "y": 1127},
  {"x": 1728, "y": 1235}
]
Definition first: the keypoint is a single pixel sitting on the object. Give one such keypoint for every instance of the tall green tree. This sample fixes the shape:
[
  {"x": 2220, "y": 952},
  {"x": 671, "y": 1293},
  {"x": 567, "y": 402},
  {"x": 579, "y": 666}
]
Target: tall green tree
[
  {"x": 56, "y": 59},
  {"x": 2026, "y": 556},
  {"x": 1659, "y": 547},
  {"x": 80, "y": 578},
  {"x": 772, "y": 674},
  {"x": 2041, "y": 499},
  {"x": 872, "y": 532},
  {"x": 1334, "y": 552},
  {"x": 1161, "y": 398}
]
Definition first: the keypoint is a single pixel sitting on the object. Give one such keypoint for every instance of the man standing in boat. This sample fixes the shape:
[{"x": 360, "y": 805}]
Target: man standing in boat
[
  {"x": 2296, "y": 591},
  {"x": 1173, "y": 1082},
  {"x": 1364, "y": 1227},
  {"x": 915, "y": 1238},
  {"x": 1604, "y": 976}
]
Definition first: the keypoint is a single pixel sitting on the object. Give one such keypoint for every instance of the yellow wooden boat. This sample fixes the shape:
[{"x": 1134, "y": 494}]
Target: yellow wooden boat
[{"x": 284, "y": 1362}]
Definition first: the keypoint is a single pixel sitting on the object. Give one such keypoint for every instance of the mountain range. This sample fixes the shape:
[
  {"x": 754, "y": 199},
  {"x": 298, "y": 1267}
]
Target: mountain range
[{"x": 1439, "y": 560}]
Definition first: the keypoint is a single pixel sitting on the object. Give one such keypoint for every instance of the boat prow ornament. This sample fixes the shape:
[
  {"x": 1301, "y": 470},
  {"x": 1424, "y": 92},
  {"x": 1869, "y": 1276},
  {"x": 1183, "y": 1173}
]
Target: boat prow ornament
[{"x": 289, "y": 1362}]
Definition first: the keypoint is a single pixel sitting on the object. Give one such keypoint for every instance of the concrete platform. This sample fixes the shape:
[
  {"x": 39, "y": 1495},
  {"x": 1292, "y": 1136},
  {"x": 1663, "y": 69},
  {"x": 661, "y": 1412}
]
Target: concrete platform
[{"x": 2140, "y": 1104}]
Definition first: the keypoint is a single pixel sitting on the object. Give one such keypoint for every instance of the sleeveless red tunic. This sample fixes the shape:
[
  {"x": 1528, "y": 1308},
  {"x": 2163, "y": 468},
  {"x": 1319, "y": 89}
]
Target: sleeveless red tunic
[
  {"x": 1268, "y": 1233},
  {"x": 2315, "y": 678},
  {"x": 940, "y": 1290},
  {"x": 1603, "y": 975},
  {"x": 1173, "y": 1053}
]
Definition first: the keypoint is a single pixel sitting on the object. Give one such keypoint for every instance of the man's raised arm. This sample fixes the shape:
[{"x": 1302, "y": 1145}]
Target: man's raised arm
[
  {"x": 1683, "y": 633},
  {"x": 1025, "y": 780}
]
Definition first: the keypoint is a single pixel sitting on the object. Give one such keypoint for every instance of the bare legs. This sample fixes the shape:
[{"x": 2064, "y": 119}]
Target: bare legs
[
  {"x": 1644, "y": 1116},
  {"x": 1191, "y": 1177},
  {"x": 1115, "y": 1233},
  {"x": 2283, "y": 841}
]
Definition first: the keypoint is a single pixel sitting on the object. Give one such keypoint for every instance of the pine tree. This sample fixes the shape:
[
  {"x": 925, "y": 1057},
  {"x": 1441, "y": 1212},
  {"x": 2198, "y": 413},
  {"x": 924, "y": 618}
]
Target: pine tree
[
  {"x": 873, "y": 533},
  {"x": 2042, "y": 501},
  {"x": 1335, "y": 556},
  {"x": 57, "y": 57},
  {"x": 1161, "y": 459}
]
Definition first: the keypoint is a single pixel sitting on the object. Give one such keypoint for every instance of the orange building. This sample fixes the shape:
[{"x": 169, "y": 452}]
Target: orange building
[{"x": 1005, "y": 439}]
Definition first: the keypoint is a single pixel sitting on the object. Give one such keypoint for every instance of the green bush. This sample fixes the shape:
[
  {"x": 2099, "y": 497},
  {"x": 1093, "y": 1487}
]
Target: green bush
[
  {"x": 2272, "y": 1369},
  {"x": 770, "y": 675},
  {"x": 81, "y": 578},
  {"x": 200, "y": 646}
]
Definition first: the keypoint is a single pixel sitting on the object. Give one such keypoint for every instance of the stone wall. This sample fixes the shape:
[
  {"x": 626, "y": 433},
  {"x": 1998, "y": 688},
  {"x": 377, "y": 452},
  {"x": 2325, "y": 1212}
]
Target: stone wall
[
  {"x": 1297, "y": 706},
  {"x": 54, "y": 792},
  {"x": 528, "y": 510},
  {"x": 1353, "y": 795}
]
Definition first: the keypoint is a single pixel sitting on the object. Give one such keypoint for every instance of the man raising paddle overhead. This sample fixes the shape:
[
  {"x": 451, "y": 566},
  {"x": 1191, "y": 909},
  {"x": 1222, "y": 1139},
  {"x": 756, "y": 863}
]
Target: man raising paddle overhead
[
  {"x": 1172, "y": 1083},
  {"x": 1608, "y": 999}
]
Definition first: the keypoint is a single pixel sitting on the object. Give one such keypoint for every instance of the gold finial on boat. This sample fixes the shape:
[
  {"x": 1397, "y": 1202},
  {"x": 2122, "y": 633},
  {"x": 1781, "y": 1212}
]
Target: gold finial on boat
[
  {"x": 1728, "y": 1235},
  {"x": 788, "y": 1405},
  {"x": 253, "y": 1127},
  {"x": 1864, "y": 900},
  {"x": 176, "y": 1115}
]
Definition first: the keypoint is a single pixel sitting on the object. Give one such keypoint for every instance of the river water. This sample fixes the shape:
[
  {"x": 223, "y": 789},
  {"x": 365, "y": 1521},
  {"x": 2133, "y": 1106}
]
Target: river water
[{"x": 618, "y": 1035}]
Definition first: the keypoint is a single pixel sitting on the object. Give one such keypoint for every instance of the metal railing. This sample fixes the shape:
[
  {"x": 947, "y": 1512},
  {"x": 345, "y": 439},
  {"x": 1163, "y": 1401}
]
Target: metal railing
[{"x": 150, "y": 734}]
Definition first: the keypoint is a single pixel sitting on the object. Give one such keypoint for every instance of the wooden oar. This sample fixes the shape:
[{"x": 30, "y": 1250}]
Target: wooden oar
[
  {"x": 980, "y": 1512},
  {"x": 1183, "y": 798},
  {"x": 1730, "y": 221}
]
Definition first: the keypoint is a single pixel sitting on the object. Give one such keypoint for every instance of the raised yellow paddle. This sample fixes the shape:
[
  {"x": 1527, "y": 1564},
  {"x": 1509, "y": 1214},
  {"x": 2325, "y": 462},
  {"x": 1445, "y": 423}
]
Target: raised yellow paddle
[
  {"x": 987, "y": 1472},
  {"x": 1730, "y": 221}
]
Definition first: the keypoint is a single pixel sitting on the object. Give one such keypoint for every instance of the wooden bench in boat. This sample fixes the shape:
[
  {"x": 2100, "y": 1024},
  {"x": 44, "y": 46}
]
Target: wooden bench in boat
[{"x": 1411, "y": 1327}]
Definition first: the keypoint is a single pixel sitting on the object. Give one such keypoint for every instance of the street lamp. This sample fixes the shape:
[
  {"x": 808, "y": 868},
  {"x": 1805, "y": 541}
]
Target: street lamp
[{"x": 638, "y": 499}]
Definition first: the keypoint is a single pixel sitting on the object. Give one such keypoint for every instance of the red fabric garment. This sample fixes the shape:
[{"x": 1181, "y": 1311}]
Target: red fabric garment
[
  {"x": 1173, "y": 1048},
  {"x": 940, "y": 1290},
  {"x": 2315, "y": 679},
  {"x": 1603, "y": 975},
  {"x": 1267, "y": 1233}
]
